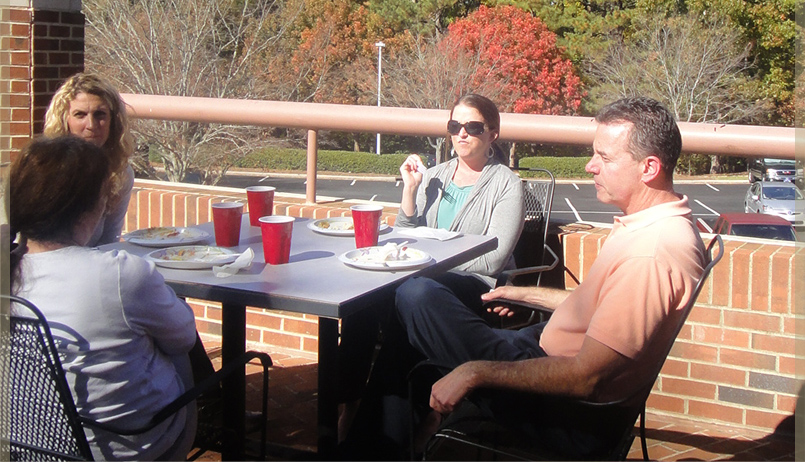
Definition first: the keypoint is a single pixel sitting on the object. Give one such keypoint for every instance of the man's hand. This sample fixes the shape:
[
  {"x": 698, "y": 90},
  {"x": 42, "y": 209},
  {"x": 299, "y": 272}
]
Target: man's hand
[
  {"x": 453, "y": 387},
  {"x": 545, "y": 297},
  {"x": 506, "y": 292}
]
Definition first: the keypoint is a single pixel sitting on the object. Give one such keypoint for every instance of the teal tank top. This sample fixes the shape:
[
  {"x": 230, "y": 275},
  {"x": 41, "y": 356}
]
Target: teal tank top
[{"x": 452, "y": 201}]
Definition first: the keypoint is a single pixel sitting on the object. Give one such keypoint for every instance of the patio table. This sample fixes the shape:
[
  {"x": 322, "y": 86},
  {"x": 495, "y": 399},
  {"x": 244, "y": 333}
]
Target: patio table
[{"x": 314, "y": 282}]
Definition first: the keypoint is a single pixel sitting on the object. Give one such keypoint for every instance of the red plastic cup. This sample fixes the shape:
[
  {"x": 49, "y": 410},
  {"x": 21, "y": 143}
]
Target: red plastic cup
[
  {"x": 261, "y": 202},
  {"x": 366, "y": 220},
  {"x": 226, "y": 222},
  {"x": 276, "y": 232}
]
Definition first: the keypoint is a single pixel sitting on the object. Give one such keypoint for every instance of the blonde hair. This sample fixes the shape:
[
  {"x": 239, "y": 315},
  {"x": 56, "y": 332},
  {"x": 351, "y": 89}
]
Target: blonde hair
[{"x": 119, "y": 146}]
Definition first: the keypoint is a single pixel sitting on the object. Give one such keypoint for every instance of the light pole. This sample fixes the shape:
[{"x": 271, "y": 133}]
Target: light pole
[{"x": 379, "y": 46}]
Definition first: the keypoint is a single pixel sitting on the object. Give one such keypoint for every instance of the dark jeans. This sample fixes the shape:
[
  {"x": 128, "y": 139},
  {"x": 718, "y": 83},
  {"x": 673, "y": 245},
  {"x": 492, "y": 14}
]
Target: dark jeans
[
  {"x": 360, "y": 333},
  {"x": 431, "y": 322}
]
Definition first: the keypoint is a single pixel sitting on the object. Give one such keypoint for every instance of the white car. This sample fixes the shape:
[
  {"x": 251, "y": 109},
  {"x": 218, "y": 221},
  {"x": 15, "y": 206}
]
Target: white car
[{"x": 775, "y": 198}]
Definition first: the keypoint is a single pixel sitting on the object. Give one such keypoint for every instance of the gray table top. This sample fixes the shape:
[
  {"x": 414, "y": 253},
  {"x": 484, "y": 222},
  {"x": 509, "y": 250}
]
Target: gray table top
[{"x": 315, "y": 281}]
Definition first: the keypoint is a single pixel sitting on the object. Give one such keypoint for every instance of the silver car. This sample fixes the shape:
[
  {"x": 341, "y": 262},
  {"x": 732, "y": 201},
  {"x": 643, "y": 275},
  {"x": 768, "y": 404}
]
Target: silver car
[{"x": 775, "y": 198}]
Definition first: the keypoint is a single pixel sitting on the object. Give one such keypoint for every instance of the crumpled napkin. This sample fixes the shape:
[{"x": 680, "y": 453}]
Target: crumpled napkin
[
  {"x": 429, "y": 233},
  {"x": 244, "y": 260}
]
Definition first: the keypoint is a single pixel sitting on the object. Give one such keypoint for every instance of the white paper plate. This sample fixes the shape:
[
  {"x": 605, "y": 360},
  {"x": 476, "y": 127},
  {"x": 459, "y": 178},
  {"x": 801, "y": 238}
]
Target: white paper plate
[
  {"x": 370, "y": 258},
  {"x": 192, "y": 257},
  {"x": 165, "y": 236},
  {"x": 337, "y": 226}
]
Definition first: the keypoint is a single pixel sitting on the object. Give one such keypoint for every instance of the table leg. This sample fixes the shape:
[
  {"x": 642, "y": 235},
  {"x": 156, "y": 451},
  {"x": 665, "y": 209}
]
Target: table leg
[
  {"x": 233, "y": 346},
  {"x": 327, "y": 405}
]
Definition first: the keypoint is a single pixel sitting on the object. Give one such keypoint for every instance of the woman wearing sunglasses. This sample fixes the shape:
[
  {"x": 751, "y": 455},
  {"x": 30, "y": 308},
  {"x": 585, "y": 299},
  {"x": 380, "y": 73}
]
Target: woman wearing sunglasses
[{"x": 473, "y": 193}]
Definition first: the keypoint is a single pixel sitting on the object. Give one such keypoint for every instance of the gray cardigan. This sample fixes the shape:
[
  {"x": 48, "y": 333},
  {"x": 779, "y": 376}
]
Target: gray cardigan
[{"x": 494, "y": 207}]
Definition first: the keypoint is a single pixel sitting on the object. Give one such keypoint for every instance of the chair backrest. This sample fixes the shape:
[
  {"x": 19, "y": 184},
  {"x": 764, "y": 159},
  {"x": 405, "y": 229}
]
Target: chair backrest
[
  {"x": 711, "y": 259},
  {"x": 538, "y": 197},
  {"x": 39, "y": 421},
  {"x": 636, "y": 404}
]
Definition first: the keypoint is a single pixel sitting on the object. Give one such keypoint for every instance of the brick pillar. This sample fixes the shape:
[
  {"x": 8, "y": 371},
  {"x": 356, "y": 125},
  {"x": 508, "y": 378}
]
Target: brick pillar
[{"x": 42, "y": 44}]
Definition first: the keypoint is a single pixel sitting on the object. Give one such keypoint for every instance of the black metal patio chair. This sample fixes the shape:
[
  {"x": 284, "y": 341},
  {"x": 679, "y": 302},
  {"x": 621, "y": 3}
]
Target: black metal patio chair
[
  {"x": 533, "y": 256},
  {"x": 39, "y": 419},
  {"x": 531, "y": 249}
]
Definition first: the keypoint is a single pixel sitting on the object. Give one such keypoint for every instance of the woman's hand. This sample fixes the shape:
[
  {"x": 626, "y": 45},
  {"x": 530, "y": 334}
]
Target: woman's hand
[{"x": 411, "y": 171}]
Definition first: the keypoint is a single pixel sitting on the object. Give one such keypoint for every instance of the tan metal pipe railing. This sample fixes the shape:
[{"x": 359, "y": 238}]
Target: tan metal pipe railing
[{"x": 721, "y": 139}]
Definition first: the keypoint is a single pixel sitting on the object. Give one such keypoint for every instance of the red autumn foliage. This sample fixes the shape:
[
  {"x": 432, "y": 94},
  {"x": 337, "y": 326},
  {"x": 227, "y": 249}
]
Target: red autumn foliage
[{"x": 520, "y": 54}]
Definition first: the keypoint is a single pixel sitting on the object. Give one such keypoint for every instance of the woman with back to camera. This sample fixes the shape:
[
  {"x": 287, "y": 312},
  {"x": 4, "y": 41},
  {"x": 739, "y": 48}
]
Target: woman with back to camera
[
  {"x": 475, "y": 192},
  {"x": 123, "y": 333},
  {"x": 89, "y": 107}
]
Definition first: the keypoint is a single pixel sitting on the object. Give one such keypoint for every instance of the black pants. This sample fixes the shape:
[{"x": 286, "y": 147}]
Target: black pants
[{"x": 360, "y": 332}]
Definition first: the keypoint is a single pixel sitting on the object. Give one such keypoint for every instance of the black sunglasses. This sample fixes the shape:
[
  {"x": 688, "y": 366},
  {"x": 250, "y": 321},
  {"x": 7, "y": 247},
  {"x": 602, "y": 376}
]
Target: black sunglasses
[{"x": 473, "y": 128}]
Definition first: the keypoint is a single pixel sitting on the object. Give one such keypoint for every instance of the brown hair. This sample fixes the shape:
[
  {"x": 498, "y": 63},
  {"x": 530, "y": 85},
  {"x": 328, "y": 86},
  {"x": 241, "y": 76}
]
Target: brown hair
[
  {"x": 489, "y": 111},
  {"x": 119, "y": 146},
  {"x": 51, "y": 185}
]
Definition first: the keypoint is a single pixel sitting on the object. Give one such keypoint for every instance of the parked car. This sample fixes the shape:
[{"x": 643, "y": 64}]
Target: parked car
[
  {"x": 766, "y": 169},
  {"x": 775, "y": 198},
  {"x": 752, "y": 225}
]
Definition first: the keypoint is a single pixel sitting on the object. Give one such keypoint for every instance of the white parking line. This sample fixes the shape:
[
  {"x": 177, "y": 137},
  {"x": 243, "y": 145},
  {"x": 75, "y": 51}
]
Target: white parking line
[
  {"x": 708, "y": 208},
  {"x": 704, "y": 225},
  {"x": 575, "y": 212},
  {"x": 397, "y": 184},
  {"x": 711, "y": 187},
  {"x": 576, "y": 186},
  {"x": 353, "y": 182},
  {"x": 263, "y": 179}
]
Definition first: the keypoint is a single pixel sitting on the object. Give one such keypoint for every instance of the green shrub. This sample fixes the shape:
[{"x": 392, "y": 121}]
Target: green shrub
[
  {"x": 328, "y": 161},
  {"x": 283, "y": 159},
  {"x": 561, "y": 167}
]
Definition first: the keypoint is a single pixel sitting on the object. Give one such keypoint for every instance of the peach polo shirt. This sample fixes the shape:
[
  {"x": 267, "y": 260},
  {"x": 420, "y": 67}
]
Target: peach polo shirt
[{"x": 633, "y": 295}]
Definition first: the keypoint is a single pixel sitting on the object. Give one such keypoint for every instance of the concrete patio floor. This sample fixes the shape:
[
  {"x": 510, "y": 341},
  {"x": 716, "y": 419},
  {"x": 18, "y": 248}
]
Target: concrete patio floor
[{"x": 292, "y": 422}]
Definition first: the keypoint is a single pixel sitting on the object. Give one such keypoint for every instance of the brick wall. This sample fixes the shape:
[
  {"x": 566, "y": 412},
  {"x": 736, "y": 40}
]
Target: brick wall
[
  {"x": 40, "y": 48},
  {"x": 733, "y": 363},
  {"x": 58, "y": 53},
  {"x": 15, "y": 80}
]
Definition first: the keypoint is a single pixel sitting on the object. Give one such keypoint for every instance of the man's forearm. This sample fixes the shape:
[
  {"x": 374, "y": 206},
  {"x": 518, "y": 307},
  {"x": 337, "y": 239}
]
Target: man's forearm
[
  {"x": 550, "y": 375},
  {"x": 546, "y": 297}
]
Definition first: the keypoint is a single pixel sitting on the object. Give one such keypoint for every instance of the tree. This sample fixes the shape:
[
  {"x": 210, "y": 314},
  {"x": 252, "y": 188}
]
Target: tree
[
  {"x": 503, "y": 53},
  {"x": 432, "y": 74},
  {"x": 185, "y": 48},
  {"x": 769, "y": 27},
  {"x": 520, "y": 56},
  {"x": 694, "y": 65}
]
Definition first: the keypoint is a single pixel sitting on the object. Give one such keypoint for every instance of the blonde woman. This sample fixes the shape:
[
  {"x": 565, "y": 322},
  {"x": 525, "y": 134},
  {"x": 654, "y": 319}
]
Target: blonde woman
[{"x": 89, "y": 107}]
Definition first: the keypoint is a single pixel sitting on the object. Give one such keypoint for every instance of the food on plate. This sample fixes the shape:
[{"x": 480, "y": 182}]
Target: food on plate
[
  {"x": 191, "y": 254},
  {"x": 336, "y": 225},
  {"x": 162, "y": 232},
  {"x": 389, "y": 252}
]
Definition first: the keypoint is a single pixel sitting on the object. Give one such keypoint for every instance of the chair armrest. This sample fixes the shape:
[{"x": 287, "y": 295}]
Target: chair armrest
[
  {"x": 188, "y": 396},
  {"x": 506, "y": 277}
]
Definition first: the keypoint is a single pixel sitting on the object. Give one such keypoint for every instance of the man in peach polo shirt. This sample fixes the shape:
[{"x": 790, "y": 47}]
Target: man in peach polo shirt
[{"x": 602, "y": 338}]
